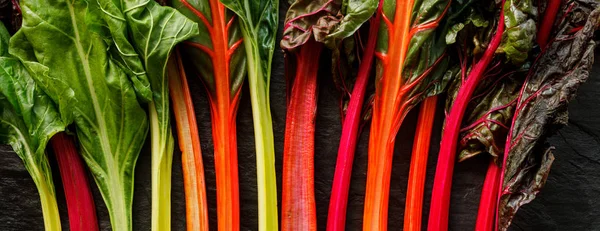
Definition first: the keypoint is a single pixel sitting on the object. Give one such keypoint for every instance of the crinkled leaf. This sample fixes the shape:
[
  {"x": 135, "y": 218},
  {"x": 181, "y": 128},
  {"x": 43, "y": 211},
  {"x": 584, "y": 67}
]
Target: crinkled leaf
[
  {"x": 71, "y": 63},
  {"x": 520, "y": 30},
  {"x": 485, "y": 127},
  {"x": 354, "y": 13},
  {"x": 112, "y": 24},
  {"x": 475, "y": 18},
  {"x": 306, "y": 19},
  {"x": 542, "y": 105}
]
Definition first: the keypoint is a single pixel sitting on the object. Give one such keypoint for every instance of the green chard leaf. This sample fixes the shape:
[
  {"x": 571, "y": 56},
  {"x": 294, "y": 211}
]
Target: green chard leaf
[
  {"x": 28, "y": 119},
  {"x": 73, "y": 65},
  {"x": 542, "y": 105},
  {"x": 520, "y": 30},
  {"x": 349, "y": 39},
  {"x": 154, "y": 32}
]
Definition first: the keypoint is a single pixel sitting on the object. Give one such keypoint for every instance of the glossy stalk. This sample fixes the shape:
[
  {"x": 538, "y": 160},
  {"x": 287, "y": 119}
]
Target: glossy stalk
[
  {"x": 440, "y": 198},
  {"x": 418, "y": 165},
  {"x": 189, "y": 143},
  {"x": 78, "y": 194}
]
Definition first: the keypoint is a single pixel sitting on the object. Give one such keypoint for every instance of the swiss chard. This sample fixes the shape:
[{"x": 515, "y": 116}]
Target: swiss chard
[
  {"x": 410, "y": 68},
  {"x": 541, "y": 106},
  {"x": 72, "y": 65},
  {"x": 216, "y": 57},
  {"x": 78, "y": 194},
  {"x": 258, "y": 21},
  {"x": 512, "y": 40},
  {"x": 306, "y": 23},
  {"x": 28, "y": 119},
  {"x": 355, "y": 13},
  {"x": 154, "y": 30},
  {"x": 189, "y": 143}
]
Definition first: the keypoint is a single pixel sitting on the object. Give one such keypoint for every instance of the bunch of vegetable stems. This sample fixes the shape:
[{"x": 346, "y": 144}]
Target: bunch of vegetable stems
[
  {"x": 336, "y": 218},
  {"x": 440, "y": 197},
  {"x": 226, "y": 26}
]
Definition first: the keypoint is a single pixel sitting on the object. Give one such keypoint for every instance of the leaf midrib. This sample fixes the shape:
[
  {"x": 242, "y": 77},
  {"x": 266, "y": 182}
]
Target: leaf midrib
[{"x": 112, "y": 170}]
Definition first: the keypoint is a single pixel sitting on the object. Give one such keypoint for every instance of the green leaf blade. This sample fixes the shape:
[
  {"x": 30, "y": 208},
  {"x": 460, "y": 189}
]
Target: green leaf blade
[{"x": 77, "y": 72}]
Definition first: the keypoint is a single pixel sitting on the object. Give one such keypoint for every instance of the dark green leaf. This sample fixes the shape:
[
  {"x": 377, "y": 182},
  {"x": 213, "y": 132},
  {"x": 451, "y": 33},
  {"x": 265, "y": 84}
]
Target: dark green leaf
[{"x": 542, "y": 105}]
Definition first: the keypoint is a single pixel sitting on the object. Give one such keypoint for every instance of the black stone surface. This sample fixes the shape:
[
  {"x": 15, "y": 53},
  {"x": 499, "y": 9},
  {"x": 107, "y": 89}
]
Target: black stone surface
[{"x": 569, "y": 201}]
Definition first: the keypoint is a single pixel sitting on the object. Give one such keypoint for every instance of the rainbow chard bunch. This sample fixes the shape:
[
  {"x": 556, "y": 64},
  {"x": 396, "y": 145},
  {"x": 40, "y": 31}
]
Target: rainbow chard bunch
[
  {"x": 411, "y": 66},
  {"x": 519, "y": 98},
  {"x": 352, "y": 63},
  {"x": 309, "y": 26},
  {"x": 236, "y": 38},
  {"x": 498, "y": 38}
]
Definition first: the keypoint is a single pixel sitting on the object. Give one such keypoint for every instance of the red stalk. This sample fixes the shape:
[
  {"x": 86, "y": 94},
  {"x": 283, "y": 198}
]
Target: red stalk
[
  {"x": 298, "y": 199},
  {"x": 189, "y": 144},
  {"x": 336, "y": 218},
  {"x": 440, "y": 198},
  {"x": 418, "y": 165},
  {"x": 78, "y": 194},
  {"x": 487, "y": 202},
  {"x": 548, "y": 22}
]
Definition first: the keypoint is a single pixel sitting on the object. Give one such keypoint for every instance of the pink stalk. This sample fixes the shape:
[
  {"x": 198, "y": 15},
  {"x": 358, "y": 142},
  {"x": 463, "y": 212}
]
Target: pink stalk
[
  {"x": 547, "y": 22},
  {"x": 80, "y": 203},
  {"x": 487, "y": 202},
  {"x": 442, "y": 185},
  {"x": 336, "y": 218}
]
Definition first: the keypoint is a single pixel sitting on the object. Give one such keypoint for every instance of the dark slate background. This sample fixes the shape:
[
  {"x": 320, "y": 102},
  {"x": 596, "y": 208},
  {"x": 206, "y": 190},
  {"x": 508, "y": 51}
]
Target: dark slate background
[{"x": 568, "y": 202}]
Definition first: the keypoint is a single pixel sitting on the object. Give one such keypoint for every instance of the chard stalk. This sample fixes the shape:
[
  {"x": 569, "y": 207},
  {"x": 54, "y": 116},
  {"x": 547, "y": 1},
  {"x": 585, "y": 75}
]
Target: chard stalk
[
  {"x": 418, "y": 165},
  {"x": 80, "y": 203},
  {"x": 298, "y": 209},
  {"x": 487, "y": 201},
  {"x": 218, "y": 48},
  {"x": 440, "y": 197},
  {"x": 547, "y": 22},
  {"x": 336, "y": 219},
  {"x": 263, "y": 133},
  {"x": 189, "y": 143}
]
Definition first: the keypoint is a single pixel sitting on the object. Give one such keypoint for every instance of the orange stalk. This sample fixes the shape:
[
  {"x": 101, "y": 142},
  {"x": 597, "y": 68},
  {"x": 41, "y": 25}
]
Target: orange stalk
[
  {"x": 224, "y": 94},
  {"x": 389, "y": 109},
  {"x": 189, "y": 144},
  {"x": 418, "y": 165}
]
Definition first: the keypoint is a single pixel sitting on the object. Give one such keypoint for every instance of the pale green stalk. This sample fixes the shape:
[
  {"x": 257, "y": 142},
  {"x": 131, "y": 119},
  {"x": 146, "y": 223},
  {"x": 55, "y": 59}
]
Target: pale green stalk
[
  {"x": 162, "y": 159},
  {"x": 263, "y": 133}
]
